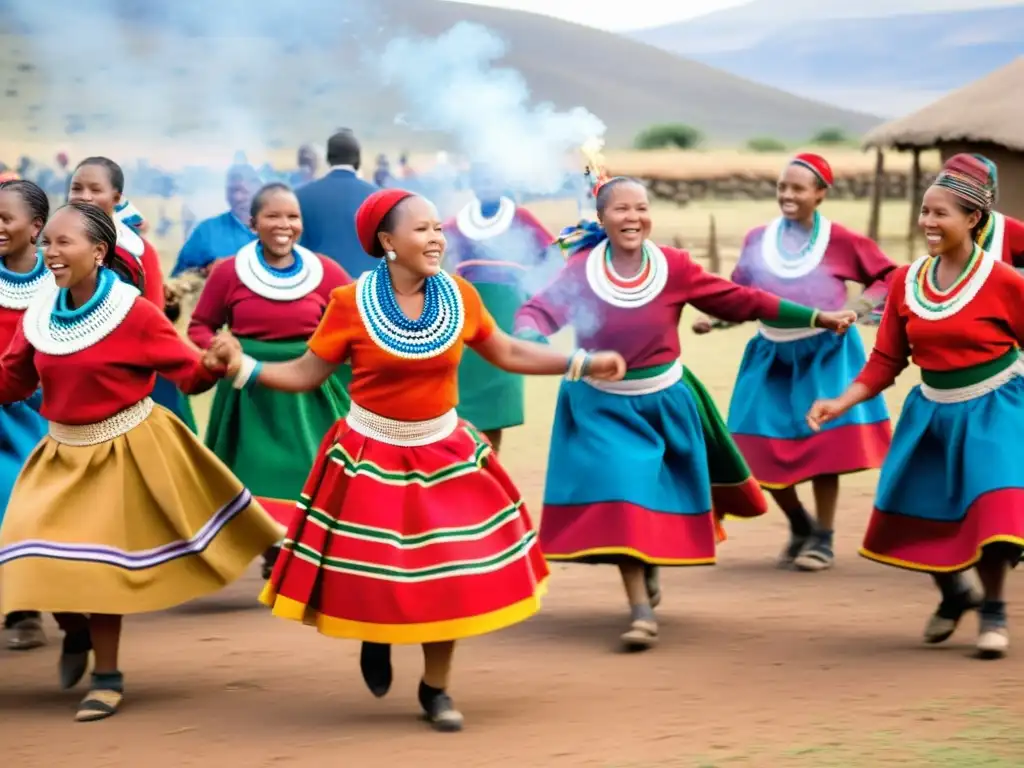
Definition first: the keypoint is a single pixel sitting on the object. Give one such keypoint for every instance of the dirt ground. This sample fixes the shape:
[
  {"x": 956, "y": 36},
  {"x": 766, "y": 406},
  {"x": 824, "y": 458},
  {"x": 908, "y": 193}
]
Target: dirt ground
[{"x": 756, "y": 667}]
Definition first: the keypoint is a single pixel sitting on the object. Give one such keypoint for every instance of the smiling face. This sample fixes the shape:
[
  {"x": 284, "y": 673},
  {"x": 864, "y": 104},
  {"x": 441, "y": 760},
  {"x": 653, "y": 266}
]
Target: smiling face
[
  {"x": 626, "y": 216},
  {"x": 945, "y": 224},
  {"x": 278, "y": 223},
  {"x": 799, "y": 193},
  {"x": 417, "y": 238},
  {"x": 17, "y": 226},
  {"x": 67, "y": 249},
  {"x": 240, "y": 190},
  {"x": 91, "y": 184}
]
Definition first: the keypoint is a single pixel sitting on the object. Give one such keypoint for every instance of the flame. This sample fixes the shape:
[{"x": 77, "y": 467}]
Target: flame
[{"x": 595, "y": 172}]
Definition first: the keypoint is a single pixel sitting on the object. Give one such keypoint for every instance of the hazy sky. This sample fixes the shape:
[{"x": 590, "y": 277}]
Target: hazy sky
[{"x": 616, "y": 15}]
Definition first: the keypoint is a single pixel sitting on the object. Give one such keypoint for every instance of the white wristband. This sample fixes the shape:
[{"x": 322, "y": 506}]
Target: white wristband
[{"x": 244, "y": 372}]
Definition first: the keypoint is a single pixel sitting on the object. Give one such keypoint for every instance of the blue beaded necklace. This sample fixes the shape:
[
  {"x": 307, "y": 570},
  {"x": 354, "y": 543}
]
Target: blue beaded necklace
[
  {"x": 434, "y": 332},
  {"x": 18, "y": 288}
]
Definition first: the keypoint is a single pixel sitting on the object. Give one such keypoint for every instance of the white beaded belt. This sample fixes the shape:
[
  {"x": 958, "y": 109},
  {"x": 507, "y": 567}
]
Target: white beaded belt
[
  {"x": 640, "y": 386},
  {"x": 781, "y": 335},
  {"x": 973, "y": 391},
  {"x": 407, "y": 434},
  {"x": 120, "y": 423}
]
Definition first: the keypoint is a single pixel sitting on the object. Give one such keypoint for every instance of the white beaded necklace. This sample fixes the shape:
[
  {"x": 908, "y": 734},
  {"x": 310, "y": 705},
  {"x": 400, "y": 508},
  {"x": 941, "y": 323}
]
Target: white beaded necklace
[
  {"x": 300, "y": 279},
  {"x": 129, "y": 241},
  {"x": 18, "y": 288},
  {"x": 473, "y": 224},
  {"x": 618, "y": 296},
  {"x": 792, "y": 266},
  {"x": 54, "y": 331}
]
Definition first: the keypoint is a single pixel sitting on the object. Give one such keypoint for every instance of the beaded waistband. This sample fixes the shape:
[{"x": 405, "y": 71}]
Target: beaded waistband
[
  {"x": 657, "y": 378},
  {"x": 407, "y": 434},
  {"x": 120, "y": 423},
  {"x": 782, "y": 335}
]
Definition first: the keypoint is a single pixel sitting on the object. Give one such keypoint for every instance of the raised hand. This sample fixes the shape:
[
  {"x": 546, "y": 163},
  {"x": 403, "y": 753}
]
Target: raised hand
[
  {"x": 606, "y": 366},
  {"x": 824, "y": 411},
  {"x": 836, "y": 321}
]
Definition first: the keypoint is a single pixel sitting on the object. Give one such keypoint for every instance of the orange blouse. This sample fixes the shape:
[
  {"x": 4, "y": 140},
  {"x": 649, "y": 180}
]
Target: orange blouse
[{"x": 386, "y": 384}]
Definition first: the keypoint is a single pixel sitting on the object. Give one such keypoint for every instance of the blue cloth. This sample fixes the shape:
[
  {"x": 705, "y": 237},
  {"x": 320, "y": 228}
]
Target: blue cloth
[
  {"x": 329, "y": 208},
  {"x": 165, "y": 393},
  {"x": 212, "y": 239},
  {"x": 581, "y": 237},
  {"x": 944, "y": 456},
  {"x": 778, "y": 382},
  {"x": 21, "y": 429},
  {"x": 646, "y": 450}
]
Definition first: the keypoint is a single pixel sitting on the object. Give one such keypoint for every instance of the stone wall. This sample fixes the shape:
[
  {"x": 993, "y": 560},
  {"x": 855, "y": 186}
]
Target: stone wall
[{"x": 755, "y": 186}]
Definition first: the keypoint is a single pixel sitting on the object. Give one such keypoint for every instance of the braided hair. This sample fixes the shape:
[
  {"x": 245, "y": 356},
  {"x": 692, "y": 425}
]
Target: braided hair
[
  {"x": 32, "y": 195},
  {"x": 100, "y": 229}
]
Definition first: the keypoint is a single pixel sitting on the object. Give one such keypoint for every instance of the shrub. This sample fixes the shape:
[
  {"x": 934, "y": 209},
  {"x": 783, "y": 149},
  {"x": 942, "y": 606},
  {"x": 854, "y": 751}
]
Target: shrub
[
  {"x": 766, "y": 144},
  {"x": 830, "y": 136},
  {"x": 667, "y": 135}
]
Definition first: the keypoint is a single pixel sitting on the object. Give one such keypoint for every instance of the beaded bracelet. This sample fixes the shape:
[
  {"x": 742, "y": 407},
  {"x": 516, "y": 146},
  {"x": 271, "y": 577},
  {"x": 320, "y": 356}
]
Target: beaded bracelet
[
  {"x": 248, "y": 373},
  {"x": 577, "y": 364}
]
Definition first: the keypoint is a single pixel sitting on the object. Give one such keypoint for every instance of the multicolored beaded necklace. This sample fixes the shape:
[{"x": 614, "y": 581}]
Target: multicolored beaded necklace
[
  {"x": 990, "y": 238},
  {"x": 627, "y": 292},
  {"x": 926, "y": 300},
  {"x": 54, "y": 328},
  {"x": 782, "y": 261},
  {"x": 18, "y": 288},
  {"x": 433, "y": 333},
  {"x": 302, "y": 277}
]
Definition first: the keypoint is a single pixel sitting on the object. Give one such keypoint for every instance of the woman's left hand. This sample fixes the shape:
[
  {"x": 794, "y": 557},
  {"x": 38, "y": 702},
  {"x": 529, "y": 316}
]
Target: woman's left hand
[
  {"x": 606, "y": 366},
  {"x": 836, "y": 321}
]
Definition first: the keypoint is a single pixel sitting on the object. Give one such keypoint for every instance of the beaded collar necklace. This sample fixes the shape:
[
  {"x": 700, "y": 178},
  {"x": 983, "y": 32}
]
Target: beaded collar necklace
[
  {"x": 991, "y": 236},
  {"x": 927, "y": 301},
  {"x": 786, "y": 264},
  {"x": 436, "y": 330},
  {"x": 630, "y": 292},
  {"x": 55, "y": 329},
  {"x": 473, "y": 224},
  {"x": 302, "y": 277},
  {"x": 18, "y": 288},
  {"x": 128, "y": 240}
]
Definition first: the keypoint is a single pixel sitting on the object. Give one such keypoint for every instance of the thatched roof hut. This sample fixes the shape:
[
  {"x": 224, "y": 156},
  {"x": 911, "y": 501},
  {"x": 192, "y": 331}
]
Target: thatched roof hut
[{"x": 985, "y": 117}]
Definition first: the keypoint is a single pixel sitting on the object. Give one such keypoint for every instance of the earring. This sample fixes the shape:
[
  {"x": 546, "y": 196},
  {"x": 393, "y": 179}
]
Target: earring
[{"x": 391, "y": 255}]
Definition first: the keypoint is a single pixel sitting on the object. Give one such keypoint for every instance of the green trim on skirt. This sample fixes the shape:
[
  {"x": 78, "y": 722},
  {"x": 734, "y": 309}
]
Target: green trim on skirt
[
  {"x": 725, "y": 462},
  {"x": 270, "y": 439},
  {"x": 490, "y": 398}
]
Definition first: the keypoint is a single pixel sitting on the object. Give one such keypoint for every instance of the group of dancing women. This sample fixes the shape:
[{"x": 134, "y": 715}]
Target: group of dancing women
[{"x": 354, "y": 435}]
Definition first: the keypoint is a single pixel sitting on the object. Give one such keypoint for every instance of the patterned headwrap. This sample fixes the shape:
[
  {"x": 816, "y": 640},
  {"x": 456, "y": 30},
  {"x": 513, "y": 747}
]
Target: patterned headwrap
[{"x": 972, "y": 178}]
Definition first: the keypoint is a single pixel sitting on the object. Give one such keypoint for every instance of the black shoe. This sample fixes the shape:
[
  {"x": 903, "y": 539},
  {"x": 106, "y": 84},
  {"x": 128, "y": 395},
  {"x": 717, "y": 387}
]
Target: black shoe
[
  {"x": 439, "y": 709},
  {"x": 375, "y": 664},
  {"x": 269, "y": 561},
  {"x": 74, "y": 658}
]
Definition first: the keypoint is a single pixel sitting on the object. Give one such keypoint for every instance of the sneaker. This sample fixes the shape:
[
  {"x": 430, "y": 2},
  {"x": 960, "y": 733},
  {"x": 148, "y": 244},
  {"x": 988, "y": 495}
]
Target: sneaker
[
  {"x": 946, "y": 619},
  {"x": 792, "y": 549},
  {"x": 993, "y": 641},
  {"x": 641, "y": 635},
  {"x": 816, "y": 555},
  {"x": 442, "y": 715},
  {"x": 26, "y": 635}
]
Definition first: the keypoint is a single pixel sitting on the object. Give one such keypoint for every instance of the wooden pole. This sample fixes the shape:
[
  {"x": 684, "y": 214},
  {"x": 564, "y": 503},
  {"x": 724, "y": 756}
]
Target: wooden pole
[
  {"x": 714, "y": 256},
  {"x": 877, "y": 193},
  {"x": 914, "y": 194}
]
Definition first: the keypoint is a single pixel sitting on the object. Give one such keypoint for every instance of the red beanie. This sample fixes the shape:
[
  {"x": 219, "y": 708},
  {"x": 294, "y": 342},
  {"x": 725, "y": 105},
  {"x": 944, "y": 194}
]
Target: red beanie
[
  {"x": 817, "y": 165},
  {"x": 372, "y": 212}
]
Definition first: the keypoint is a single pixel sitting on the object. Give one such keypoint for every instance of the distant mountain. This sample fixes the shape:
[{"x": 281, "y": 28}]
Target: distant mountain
[{"x": 873, "y": 55}]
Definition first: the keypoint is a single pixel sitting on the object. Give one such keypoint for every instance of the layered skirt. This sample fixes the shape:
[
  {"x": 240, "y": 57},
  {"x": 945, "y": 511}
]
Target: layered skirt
[
  {"x": 21, "y": 429},
  {"x": 782, "y": 373},
  {"x": 952, "y": 482},
  {"x": 490, "y": 398},
  {"x": 129, "y": 515},
  {"x": 630, "y": 472},
  {"x": 408, "y": 532},
  {"x": 269, "y": 439}
]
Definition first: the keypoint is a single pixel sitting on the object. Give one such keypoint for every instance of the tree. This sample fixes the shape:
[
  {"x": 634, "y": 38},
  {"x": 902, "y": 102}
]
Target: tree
[
  {"x": 766, "y": 144},
  {"x": 668, "y": 135},
  {"x": 830, "y": 136}
]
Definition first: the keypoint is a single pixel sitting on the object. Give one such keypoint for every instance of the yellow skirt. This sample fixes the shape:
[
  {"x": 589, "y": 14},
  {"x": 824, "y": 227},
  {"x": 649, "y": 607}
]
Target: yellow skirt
[{"x": 145, "y": 521}]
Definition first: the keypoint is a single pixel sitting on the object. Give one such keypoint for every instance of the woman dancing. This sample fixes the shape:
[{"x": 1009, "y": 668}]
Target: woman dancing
[
  {"x": 24, "y": 209},
  {"x": 804, "y": 257},
  {"x": 628, "y": 480},
  {"x": 271, "y": 296},
  {"x": 411, "y": 532},
  {"x": 120, "y": 509},
  {"x": 100, "y": 181},
  {"x": 951, "y": 496},
  {"x": 495, "y": 245}
]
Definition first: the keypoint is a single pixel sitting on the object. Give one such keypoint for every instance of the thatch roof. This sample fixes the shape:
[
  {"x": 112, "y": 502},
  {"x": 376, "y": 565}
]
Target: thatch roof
[{"x": 990, "y": 110}]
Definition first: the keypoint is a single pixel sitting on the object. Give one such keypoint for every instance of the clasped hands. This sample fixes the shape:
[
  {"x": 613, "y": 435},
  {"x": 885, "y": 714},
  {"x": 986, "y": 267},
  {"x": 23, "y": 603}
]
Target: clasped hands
[{"x": 224, "y": 355}]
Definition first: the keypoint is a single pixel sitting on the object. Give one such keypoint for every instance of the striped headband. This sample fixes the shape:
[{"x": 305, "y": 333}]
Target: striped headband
[{"x": 971, "y": 179}]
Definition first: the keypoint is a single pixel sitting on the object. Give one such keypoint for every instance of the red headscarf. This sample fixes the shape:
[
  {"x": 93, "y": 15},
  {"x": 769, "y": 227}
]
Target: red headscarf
[
  {"x": 372, "y": 212},
  {"x": 817, "y": 165}
]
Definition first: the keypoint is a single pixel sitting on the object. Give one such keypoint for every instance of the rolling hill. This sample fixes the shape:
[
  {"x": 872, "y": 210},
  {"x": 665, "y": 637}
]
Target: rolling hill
[
  {"x": 887, "y": 58},
  {"x": 279, "y": 74}
]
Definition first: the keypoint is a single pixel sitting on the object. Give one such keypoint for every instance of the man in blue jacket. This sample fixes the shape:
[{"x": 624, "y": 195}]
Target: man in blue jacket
[{"x": 329, "y": 206}]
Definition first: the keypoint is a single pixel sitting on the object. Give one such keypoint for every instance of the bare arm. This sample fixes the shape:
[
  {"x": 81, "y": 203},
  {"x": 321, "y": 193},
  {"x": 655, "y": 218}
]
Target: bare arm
[
  {"x": 528, "y": 357},
  {"x": 302, "y": 374}
]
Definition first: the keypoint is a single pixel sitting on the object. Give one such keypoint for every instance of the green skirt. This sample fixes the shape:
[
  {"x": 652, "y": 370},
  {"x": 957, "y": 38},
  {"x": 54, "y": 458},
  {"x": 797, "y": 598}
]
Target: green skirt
[
  {"x": 734, "y": 491},
  {"x": 490, "y": 398},
  {"x": 270, "y": 439}
]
